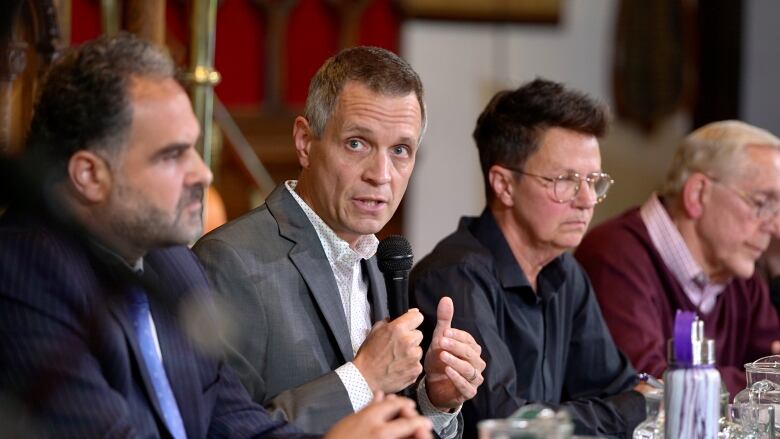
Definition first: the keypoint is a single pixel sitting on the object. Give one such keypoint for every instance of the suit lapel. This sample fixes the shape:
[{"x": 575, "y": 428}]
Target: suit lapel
[
  {"x": 309, "y": 258},
  {"x": 377, "y": 290},
  {"x": 318, "y": 276}
]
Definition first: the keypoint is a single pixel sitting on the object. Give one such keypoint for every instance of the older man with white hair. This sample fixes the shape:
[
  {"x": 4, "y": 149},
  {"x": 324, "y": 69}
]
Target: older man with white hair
[{"x": 693, "y": 246}]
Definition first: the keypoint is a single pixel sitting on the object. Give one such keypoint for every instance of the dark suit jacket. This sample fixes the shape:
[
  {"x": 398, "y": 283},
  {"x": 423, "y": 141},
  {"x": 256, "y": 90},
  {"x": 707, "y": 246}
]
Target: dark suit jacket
[
  {"x": 270, "y": 266},
  {"x": 69, "y": 360}
]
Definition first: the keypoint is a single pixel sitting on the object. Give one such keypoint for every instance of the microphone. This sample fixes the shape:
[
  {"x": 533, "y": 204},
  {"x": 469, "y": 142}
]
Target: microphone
[{"x": 394, "y": 256}]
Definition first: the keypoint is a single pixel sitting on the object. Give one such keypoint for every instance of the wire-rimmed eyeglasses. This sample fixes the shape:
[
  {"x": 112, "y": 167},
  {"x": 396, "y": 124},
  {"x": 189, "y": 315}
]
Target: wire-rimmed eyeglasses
[
  {"x": 567, "y": 186},
  {"x": 765, "y": 210}
]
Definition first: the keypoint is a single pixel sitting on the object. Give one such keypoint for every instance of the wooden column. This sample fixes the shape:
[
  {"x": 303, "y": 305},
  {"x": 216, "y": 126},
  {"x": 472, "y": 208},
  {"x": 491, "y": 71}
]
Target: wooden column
[
  {"x": 48, "y": 42},
  {"x": 277, "y": 13},
  {"x": 350, "y": 13},
  {"x": 146, "y": 18},
  {"x": 64, "y": 21},
  {"x": 12, "y": 63}
]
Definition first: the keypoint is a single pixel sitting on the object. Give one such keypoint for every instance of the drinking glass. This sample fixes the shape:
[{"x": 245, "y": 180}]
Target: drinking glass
[
  {"x": 750, "y": 421},
  {"x": 763, "y": 384},
  {"x": 533, "y": 421}
]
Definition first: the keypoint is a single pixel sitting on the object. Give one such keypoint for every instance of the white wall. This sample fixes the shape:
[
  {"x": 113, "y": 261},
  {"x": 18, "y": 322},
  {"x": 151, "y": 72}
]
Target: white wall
[
  {"x": 761, "y": 64},
  {"x": 463, "y": 64}
]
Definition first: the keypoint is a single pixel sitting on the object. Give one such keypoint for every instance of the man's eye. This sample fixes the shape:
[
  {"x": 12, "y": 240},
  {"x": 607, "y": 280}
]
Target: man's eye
[
  {"x": 354, "y": 144},
  {"x": 173, "y": 154},
  {"x": 400, "y": 150}
]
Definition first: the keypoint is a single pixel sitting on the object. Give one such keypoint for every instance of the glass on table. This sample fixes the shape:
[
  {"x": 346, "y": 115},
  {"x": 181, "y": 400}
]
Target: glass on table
[
  {"x": 763, "y": 384},
  {"x": 653, "y": 425},
  {"x": 749, "y": 421},
  {"x": 533, "y": 421},
  {"x": 508, "y": 429}
]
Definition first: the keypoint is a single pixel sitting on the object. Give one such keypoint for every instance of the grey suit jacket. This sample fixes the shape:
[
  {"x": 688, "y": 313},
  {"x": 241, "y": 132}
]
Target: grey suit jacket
[{"x": 270, "y": 266}]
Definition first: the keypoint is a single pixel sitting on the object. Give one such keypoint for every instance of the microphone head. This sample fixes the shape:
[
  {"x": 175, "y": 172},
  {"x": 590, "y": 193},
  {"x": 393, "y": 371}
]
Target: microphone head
[{"x": 394, "y": 254}]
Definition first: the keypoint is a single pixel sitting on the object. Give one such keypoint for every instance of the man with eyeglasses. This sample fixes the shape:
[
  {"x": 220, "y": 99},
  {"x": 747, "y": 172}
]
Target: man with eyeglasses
[
  {"x": 516, "y": 290},
  {"x": 693, "y": 246}
]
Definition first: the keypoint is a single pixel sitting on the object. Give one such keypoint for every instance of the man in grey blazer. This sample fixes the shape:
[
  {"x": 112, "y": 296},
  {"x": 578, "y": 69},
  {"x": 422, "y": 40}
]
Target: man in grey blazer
[{"x": 299, "y": 273}]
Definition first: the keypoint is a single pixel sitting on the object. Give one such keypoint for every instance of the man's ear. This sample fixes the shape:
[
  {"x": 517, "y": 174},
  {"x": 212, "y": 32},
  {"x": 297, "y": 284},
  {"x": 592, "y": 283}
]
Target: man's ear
[
  {"x": 303, "y": 137},
  {"x": 694, "y": 195},
  {"x": 90, "y": 176},
  {"x": 502, "y": 184}
]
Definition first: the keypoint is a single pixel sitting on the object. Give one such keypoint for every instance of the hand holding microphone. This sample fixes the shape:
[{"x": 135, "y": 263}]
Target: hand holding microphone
[
  {"x": 453, "y": 364},
  {"x": 389, "y": 358}
]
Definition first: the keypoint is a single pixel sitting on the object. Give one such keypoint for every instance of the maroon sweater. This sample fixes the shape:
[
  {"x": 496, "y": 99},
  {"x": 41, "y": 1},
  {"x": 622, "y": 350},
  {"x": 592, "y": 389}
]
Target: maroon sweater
[{"x": 638, "y": 296}]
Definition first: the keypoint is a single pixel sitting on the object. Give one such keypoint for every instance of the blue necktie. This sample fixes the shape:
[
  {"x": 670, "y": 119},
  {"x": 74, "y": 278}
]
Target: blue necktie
[{"x": 142, "y": 324}]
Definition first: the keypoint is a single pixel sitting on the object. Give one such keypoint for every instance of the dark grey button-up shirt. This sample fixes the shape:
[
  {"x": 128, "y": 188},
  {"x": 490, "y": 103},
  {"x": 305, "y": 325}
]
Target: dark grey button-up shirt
[{"x": 549, "y": 346}]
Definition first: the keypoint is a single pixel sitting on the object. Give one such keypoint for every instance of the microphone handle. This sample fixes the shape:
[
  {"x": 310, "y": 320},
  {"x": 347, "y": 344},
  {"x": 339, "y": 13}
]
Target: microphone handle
[
  {"x": 397, "y": 284},
  {"x": 410, "y": 392}
]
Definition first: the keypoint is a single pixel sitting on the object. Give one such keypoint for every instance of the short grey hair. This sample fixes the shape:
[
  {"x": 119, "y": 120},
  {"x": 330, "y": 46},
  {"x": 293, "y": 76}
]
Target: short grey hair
[
  {"x": 379, "y": 69},
  {"x": 716, "y": 149}
]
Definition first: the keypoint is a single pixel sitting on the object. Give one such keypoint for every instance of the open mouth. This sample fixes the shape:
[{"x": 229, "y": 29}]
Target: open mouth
[{"x": 370, "y": 203}]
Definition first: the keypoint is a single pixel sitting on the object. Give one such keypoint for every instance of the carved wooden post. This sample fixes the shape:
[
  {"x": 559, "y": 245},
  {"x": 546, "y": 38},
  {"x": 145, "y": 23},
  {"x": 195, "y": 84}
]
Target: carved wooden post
[
  {"x": 350, "y": 12},
  {"x": 48, "y": 42},
  {"x": 12, "y": 63},
  {"x": 277, "y": 13},
  {"x": 146, "y": 18}
]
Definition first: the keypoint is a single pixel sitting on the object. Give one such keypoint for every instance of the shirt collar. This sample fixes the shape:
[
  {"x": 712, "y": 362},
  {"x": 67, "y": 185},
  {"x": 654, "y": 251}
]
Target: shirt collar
[
  {"x": 486, "y": 230},
  {"x": 336, "y": 249},
  {"x": 670, "y": 244},
  {"x": 115, "y": 259}
]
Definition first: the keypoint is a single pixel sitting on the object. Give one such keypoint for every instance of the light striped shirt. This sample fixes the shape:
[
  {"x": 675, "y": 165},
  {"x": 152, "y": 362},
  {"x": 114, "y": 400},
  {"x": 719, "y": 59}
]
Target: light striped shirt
[{"x": 677, "y": 257}]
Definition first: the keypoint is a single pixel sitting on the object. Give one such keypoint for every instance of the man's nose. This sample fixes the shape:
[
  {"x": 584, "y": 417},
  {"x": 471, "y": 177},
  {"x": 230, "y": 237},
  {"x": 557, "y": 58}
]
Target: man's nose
[
  {"x": 199, "y": 172},
  {"x": 378, "y": 168},
  {"x": 586, "y": 197},
  {"x": 772, "y": 226}
]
